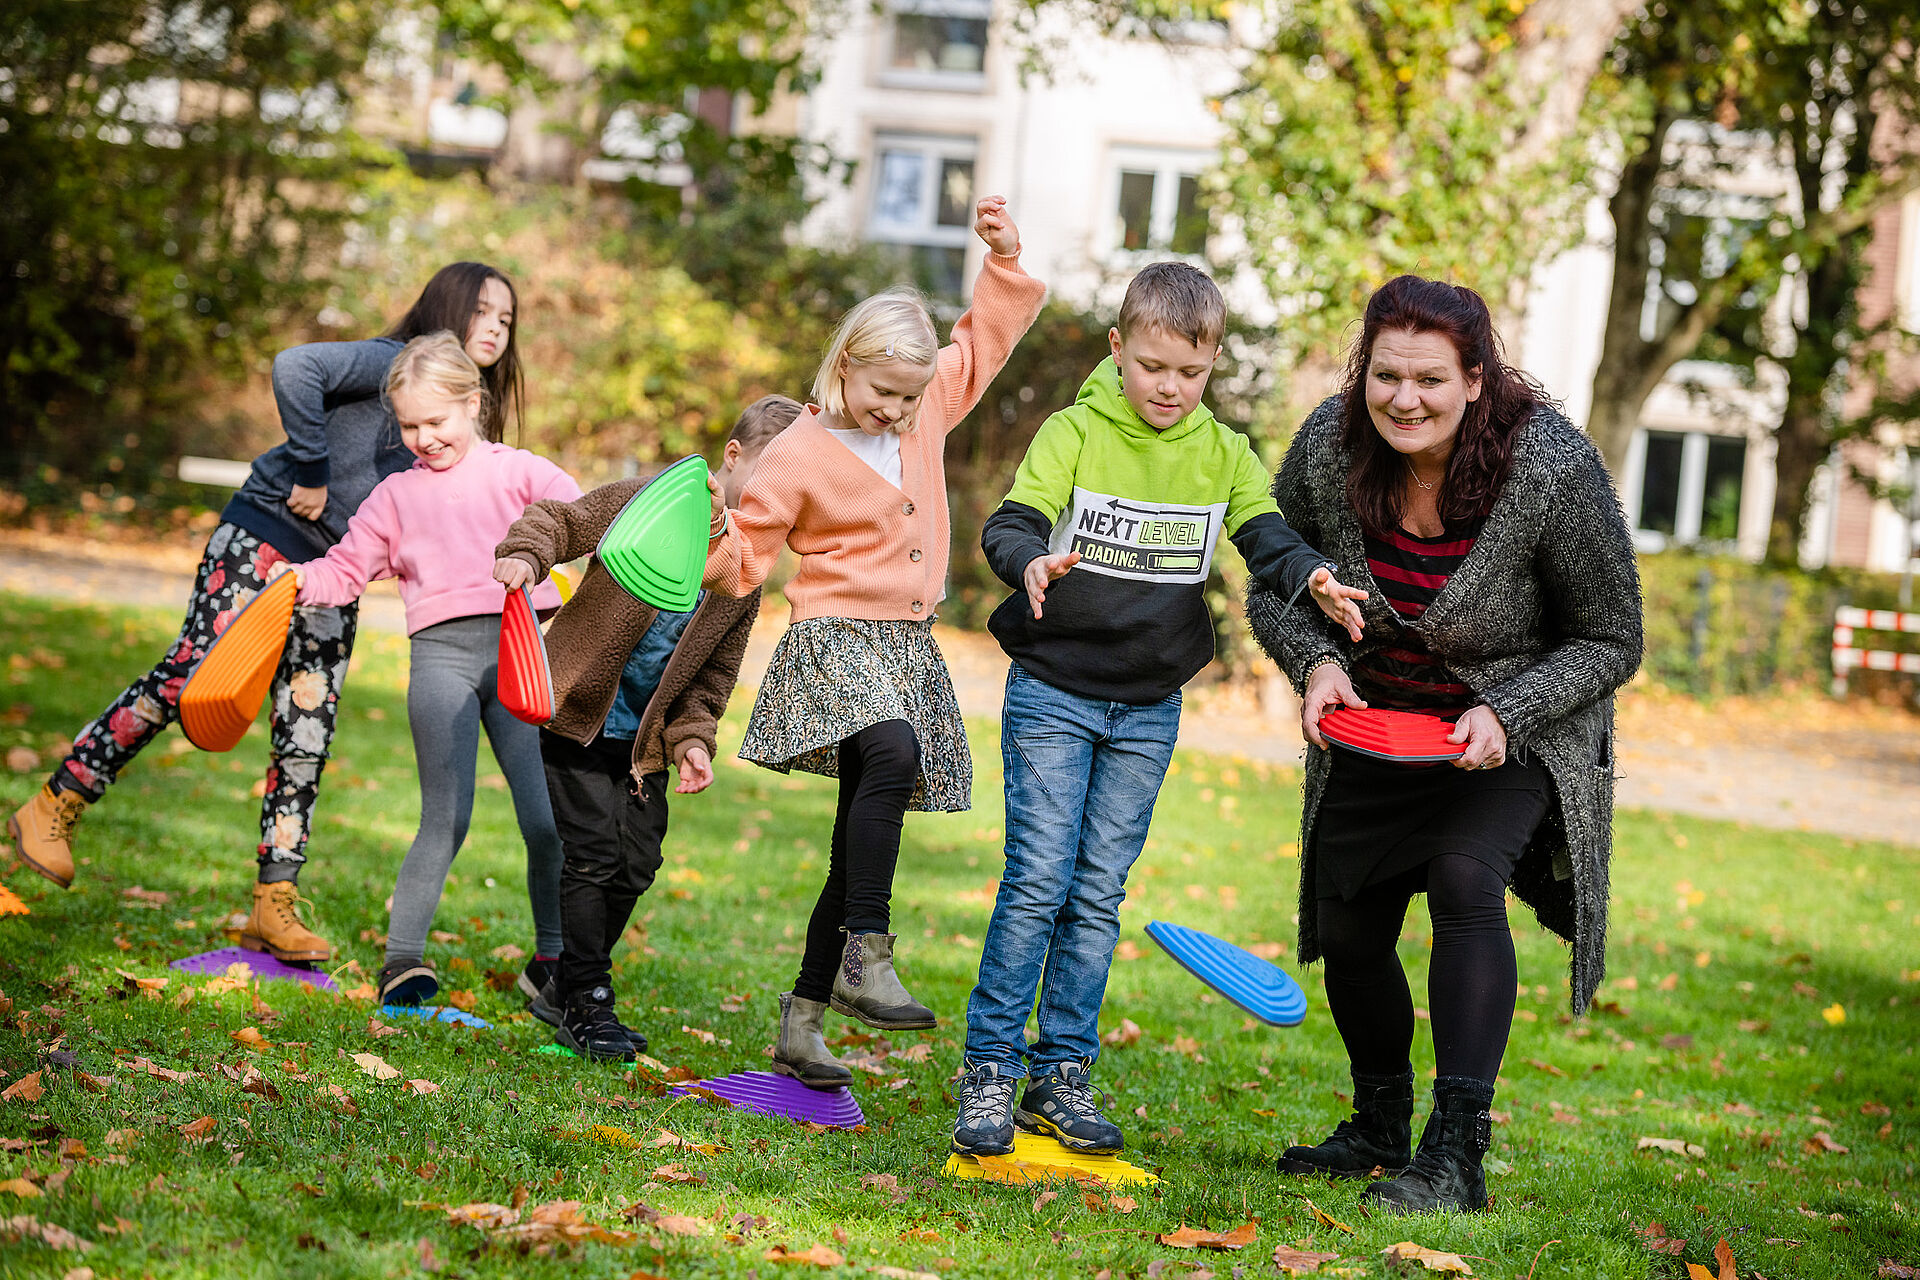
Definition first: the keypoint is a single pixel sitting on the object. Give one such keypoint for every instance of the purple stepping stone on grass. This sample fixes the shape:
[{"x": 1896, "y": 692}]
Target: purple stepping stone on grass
[
  {"x": 773, "y": 1095},
  {"x": 258, "y": 963}
]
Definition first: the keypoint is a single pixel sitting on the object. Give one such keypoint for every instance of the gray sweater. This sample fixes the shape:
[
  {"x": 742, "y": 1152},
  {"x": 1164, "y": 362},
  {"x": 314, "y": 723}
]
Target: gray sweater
[
  {"x": 1542, "y": 620},
  {"x": 339, "y": 434}
]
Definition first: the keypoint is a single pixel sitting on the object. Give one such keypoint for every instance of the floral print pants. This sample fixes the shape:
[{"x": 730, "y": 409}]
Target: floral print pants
[{"x": 304, "y": 706}]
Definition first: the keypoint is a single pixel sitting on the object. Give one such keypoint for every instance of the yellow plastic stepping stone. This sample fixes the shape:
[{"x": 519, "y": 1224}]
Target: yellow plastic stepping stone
[{"x": 1040, "y": 1159}]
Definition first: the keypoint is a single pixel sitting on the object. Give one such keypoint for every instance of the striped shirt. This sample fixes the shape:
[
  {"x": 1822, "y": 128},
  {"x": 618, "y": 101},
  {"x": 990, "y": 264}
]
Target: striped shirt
[{"x": 1410, "y": 571}]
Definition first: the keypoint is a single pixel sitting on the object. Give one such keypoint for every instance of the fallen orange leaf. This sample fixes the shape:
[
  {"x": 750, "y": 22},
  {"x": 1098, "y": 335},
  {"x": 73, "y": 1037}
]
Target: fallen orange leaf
[
  {"x": 1299, "y": 1262},
  {"x": 1185, "y": 1237},
  {"x": 198, "y": 1130},
  {"x": 375, "y": 1066},
  {"x": 818, "y": 1256},
  {"x": 10, "y": 904},
  {"x": 26, "y": 1089},
  {"x": 251, "y": 1037},
  {"x": 1431, "y": 1259}
]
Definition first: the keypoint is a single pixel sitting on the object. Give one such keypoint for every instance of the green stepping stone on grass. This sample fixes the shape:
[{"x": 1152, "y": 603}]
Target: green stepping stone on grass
[{"x": 656, "y": 548}]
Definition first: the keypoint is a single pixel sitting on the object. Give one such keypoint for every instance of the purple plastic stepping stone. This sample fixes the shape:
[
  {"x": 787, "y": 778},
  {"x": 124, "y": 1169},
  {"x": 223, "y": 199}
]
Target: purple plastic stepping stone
[
  {"x": 258, "y": 963},
  {"x": 782, "y": 1096}
]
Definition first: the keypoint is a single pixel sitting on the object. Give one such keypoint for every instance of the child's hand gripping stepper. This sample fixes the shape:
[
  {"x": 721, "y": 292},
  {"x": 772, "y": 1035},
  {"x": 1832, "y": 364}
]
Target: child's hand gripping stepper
[
  {"x": 281, "y": 568},
  {"x": 1335, "y": 600},
  {"x": 512, "y": 573}
]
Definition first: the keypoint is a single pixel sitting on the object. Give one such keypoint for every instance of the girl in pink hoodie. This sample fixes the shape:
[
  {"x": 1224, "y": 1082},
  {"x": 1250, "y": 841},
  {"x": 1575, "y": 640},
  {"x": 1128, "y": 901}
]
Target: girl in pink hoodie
[{"x": 433, "y": 527}]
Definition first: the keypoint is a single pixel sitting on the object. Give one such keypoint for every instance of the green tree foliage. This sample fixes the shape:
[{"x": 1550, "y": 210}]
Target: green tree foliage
[
  {"x": 161, "y": 162},
  {"x": 1377, "y": 138}
]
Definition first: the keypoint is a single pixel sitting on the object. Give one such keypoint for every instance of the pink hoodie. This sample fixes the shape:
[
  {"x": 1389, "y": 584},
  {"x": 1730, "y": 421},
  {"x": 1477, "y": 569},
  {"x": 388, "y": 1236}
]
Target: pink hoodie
[{"x": 435, "y": 531}]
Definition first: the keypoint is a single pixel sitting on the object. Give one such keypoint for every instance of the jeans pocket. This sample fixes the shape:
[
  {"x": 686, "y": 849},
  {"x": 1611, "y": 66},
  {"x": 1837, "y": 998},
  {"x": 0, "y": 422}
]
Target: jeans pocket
[{"x": 1027, "y": 760}]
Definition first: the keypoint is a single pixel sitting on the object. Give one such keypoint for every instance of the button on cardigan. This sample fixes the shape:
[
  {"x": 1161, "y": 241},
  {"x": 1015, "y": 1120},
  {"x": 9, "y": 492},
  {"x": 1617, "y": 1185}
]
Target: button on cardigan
[{"x": 869, "y": 549}]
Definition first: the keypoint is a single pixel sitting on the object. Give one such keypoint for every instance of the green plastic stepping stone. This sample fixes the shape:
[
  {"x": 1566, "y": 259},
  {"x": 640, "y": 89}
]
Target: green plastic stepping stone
[{"x": 656, "y": 548}]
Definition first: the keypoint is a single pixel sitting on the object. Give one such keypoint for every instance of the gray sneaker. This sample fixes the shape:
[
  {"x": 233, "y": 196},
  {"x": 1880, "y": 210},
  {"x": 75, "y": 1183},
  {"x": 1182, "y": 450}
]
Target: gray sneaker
[
  {"x": 985, "y": 1124},
  {"x": 1060, "y": 1102}
]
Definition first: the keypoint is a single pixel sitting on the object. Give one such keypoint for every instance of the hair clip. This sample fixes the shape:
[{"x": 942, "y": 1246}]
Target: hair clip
[{"x": 889, "y": 351}]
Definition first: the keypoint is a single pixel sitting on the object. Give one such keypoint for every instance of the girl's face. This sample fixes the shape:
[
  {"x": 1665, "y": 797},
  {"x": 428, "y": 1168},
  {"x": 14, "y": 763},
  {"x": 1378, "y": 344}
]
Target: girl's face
[
  {"x": 491, "y": 328},
  {"x": 438, "y": 430},
  {"x": 883, "y": 397},
  {"x": 1417, "y": 392}
]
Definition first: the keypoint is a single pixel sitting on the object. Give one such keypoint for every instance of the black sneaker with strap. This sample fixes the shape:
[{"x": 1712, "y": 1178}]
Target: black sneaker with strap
[
  {"x": 984, "y": 1126},
  {"x": 589, "y": 1028},
  {"x": 547, "y": 1007},
  {"x": 1060, "y": 1101}
]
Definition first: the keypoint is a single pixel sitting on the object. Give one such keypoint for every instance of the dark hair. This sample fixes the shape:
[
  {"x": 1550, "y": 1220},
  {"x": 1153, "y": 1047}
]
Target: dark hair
[
  {"x": 1174, "y": 297},
  {"x": 762, "y": 420},
  {"x": 1483, "y": 447},
  {"x": 448, "y": 302}
]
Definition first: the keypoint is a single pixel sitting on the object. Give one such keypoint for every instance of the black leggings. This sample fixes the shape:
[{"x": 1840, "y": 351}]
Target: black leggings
[
  {"x": 878, "y": 767},
  {"x": 1470, "y": 982}
]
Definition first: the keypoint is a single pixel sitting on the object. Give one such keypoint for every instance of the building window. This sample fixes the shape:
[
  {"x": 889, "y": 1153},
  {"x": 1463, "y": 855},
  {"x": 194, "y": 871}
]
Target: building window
[
  {"x": 1907, "y": 265},
  {"x": 1156, "y": 205},
  {"x": 1690, "y": 487},
  {"x": 939, "y": 43},
  {"x": 923, "y": 202}
]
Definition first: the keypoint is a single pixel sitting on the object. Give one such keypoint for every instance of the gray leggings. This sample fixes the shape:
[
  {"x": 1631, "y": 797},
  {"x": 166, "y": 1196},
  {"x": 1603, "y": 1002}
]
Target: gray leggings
[{"x": 450, "y": 695}]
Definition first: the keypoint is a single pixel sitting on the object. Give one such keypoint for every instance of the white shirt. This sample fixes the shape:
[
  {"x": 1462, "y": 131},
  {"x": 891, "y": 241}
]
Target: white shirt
[{"x": 881, "y": 452}]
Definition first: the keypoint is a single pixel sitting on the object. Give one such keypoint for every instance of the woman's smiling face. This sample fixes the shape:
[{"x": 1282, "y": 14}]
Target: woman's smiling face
[{"x": 1417, "y": 392}]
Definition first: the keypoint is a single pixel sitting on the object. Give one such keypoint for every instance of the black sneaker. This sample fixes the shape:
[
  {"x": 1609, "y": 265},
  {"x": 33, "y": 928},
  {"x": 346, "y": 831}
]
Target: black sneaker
[
  {"x": 589, "y": 1028},
  {"x": 547, "y": 1007},
  {"x": 984, "y": 1126},
  {"x": 407, "y": 982},
  {"x": 1060, "y": 1102},
  {"x": 538, "y": 973}
]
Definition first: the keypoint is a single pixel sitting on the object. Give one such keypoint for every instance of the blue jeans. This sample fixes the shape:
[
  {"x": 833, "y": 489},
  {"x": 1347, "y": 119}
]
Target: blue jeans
[{"x": 1082, "y": 775}]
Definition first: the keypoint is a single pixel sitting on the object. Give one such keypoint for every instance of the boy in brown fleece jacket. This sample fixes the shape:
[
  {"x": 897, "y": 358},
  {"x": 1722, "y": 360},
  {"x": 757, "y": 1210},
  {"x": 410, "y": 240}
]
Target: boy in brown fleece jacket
[{"x": 633, "y": 687}]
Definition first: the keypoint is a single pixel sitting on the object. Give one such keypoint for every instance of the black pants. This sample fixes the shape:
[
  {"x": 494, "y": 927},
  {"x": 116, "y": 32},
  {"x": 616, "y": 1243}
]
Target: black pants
[
  {"x": 878, "y": 767},
  {"x": 610, "y": 833},
  {"x": 1470, "y": 981}
]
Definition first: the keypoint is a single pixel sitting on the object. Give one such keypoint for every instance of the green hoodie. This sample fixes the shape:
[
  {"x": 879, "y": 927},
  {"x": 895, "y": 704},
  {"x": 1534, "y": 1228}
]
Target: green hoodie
[{"x": 1144, "y": 509}]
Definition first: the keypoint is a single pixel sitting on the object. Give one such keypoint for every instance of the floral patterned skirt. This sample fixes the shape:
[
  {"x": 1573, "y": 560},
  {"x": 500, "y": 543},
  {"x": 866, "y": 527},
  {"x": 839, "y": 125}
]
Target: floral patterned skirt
[{"x": 832, "y": 677}]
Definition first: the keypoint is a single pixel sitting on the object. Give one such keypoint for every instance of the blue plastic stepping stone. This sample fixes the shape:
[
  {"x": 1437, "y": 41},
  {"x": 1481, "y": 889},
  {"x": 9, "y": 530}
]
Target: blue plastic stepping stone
[
  {"x": 1262, "y": 989},
  {"x": 435, "y": 1013}
]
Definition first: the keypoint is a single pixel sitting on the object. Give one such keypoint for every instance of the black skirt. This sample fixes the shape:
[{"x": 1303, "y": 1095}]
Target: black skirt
[{"x": 1378, "y": 819}]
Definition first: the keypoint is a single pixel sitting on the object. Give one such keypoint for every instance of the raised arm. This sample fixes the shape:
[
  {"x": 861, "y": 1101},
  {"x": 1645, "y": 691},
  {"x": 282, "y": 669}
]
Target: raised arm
[
  {"x": 554, "y": 531},
  {"x": 1006, "y": 300},
  {"x": 308, "y": 379},
  {"x": 1590, "y": 585}
]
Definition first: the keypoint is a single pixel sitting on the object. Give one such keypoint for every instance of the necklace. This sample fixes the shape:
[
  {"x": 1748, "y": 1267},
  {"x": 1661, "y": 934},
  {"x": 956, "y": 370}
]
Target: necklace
[{"x": 1416, "y": 477}]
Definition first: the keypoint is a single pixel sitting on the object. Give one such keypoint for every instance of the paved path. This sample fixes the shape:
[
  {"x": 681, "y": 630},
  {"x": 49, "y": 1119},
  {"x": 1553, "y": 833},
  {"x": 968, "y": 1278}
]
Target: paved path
[{"x": 1851, "y": 771}]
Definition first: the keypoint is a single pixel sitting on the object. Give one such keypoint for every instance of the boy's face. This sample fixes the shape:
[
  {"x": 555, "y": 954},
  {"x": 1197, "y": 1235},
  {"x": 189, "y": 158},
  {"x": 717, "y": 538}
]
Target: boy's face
[{"x": 1163, "y": 375}]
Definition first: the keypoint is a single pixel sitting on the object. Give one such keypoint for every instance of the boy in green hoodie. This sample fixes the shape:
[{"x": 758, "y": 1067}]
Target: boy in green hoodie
[{"x": 1106, "y": 539}]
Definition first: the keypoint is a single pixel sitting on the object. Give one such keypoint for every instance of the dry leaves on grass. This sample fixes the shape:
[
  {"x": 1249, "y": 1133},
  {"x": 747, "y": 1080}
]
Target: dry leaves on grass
[
  {"x": 887, "y": 1185},
  {"x": 1185, "y": 1237},
  {"x": 902, "y": 1273},
  {"x": 1299, "y": 1262},
  {"x": 1123, "y": 1036},
  {"x": 674, "y": 1173},
  {"x": 1674, "y": 1145},
  {"x": 251, "y": 1038},
  {"x": 818, "y": 1256},
  {"x": 1654, "y": 1237},
  {"x": 1891, "y": 1270},
  {"x": 1431, "y": 1259},
  {"x": 26, "y": 1089},
  {"x": 668, "y": 1138},
  {"x": 159, "y": 1072},
  {"x": 1322, "y": 1217},
  {"x": 11, "y": 905},
  {"x": 24, "y": 1227},
  {"x": 379, "y": 1030},
  {"x": 422, "y": 1087},
  {"x": 484, "y": 1215},
  {"x": 375, "y": 1066},
  {"x": 557, "y": 1221},
  {"x": 680, "y": 1224},
  {"x": 200, "y": 1130},
  {"x": 1178, "y": 1269},
  {"x": 1723, "y": 1255},
  {"x": 22, "y": 1188},
  {"x": 1822, "y": 1141}
]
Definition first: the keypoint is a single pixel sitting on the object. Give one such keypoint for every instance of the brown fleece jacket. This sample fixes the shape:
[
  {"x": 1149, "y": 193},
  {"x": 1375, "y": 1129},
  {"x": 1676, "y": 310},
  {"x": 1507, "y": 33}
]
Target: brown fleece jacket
[{"x": 589, "y": 641}]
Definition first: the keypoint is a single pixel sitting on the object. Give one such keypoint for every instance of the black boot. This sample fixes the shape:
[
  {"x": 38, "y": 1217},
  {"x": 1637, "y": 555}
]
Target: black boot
[
  {"x": 1380, "y": 1135},
  {"x": 1446, "y": 1172}
]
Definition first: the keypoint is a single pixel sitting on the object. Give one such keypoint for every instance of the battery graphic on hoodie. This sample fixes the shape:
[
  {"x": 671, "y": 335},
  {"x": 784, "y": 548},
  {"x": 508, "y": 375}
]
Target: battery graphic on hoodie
[{"x": 1165, "y": 542}]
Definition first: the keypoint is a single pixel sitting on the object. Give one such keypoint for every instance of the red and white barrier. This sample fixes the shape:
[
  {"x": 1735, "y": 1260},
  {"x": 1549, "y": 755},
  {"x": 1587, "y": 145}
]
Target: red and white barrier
[{"x": 1846, "y": 656}]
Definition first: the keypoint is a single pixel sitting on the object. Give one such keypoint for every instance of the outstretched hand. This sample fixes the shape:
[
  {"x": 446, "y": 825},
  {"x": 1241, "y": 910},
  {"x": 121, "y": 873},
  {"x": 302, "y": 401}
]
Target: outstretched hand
[
  {"x": 696, "y": 771},
  {"x": 1338, "y": 602},
  {"x": 1328, "y": 687},
  {"x": 1043, "y": 571},
  {"x": 992, "y": 224}
]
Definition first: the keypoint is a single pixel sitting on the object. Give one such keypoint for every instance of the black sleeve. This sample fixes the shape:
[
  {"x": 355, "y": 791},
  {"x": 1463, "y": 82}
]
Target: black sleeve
[
  {"x": 1012, "y": 537},
  {"x": 1276, "y": 555}
]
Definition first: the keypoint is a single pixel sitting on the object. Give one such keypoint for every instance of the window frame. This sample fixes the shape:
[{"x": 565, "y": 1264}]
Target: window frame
[
  {"x": 896, "y": 77},
  {"x": 1168, "y": 165}
]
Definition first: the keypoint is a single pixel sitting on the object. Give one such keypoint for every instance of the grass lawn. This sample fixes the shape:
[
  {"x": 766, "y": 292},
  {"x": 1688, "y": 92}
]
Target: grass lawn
[{"x": 1762, "y": 1005}]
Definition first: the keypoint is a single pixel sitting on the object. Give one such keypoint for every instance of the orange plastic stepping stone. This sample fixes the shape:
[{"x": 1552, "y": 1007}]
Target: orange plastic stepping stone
[
  {"x": 524, "y": 682},
  {"x": 224, "y": 693}
]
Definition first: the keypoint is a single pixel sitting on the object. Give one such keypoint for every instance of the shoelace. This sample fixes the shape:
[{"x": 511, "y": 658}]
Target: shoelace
[
  {"x": 1077, "y": 1093},
  {"x": 64, "y": 816},
  {"x": 988, "y": 1094}
]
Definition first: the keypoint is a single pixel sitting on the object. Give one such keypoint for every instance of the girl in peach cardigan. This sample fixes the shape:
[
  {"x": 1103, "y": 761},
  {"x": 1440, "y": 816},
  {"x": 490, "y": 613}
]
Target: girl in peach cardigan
[{"x": 857, "y": 688}]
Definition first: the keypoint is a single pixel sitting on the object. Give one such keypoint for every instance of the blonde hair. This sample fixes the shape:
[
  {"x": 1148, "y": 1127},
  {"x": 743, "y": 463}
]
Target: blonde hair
[
  {"x": 891, "y": 325},
  {"x": 438, "y": 361}
]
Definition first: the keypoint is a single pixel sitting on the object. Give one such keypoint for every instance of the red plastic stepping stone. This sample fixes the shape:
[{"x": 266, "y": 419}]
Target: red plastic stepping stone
[
  {"x": 223, "y": 694},
  {"x": 524, "y": 682},
  {"x": 1404, "y": 736}
]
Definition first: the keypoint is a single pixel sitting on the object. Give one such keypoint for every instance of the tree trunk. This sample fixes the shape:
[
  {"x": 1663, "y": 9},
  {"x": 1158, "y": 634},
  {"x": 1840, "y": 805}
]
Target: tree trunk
[{"x": 1620, "y": 382}]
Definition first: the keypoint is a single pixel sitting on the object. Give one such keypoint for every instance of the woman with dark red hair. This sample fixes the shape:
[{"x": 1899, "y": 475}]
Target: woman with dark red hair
[{"x": 1503, "y": 596}]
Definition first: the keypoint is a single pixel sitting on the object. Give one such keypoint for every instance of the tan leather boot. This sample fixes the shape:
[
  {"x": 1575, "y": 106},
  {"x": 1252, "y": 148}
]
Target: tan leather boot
[
  {"x": 275, "y": 927},
  {"x": 40, "y": 829}
]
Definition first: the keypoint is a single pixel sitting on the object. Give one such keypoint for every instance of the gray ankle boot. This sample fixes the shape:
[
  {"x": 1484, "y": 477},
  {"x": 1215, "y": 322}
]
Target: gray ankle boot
[
  {"x": 801, "y": 1051},
  {"x": 867, "y": 988}
]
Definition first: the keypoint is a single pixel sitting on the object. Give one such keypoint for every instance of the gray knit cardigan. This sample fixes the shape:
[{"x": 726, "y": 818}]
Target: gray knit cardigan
[{"x": 1542, "y": 620}]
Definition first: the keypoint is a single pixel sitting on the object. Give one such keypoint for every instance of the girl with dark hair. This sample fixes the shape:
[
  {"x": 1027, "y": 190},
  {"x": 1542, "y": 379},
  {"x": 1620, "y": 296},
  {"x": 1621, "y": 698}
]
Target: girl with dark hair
[
  {"x": 341, "y": 442},
  {"x": 1503, "y": 596}
]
